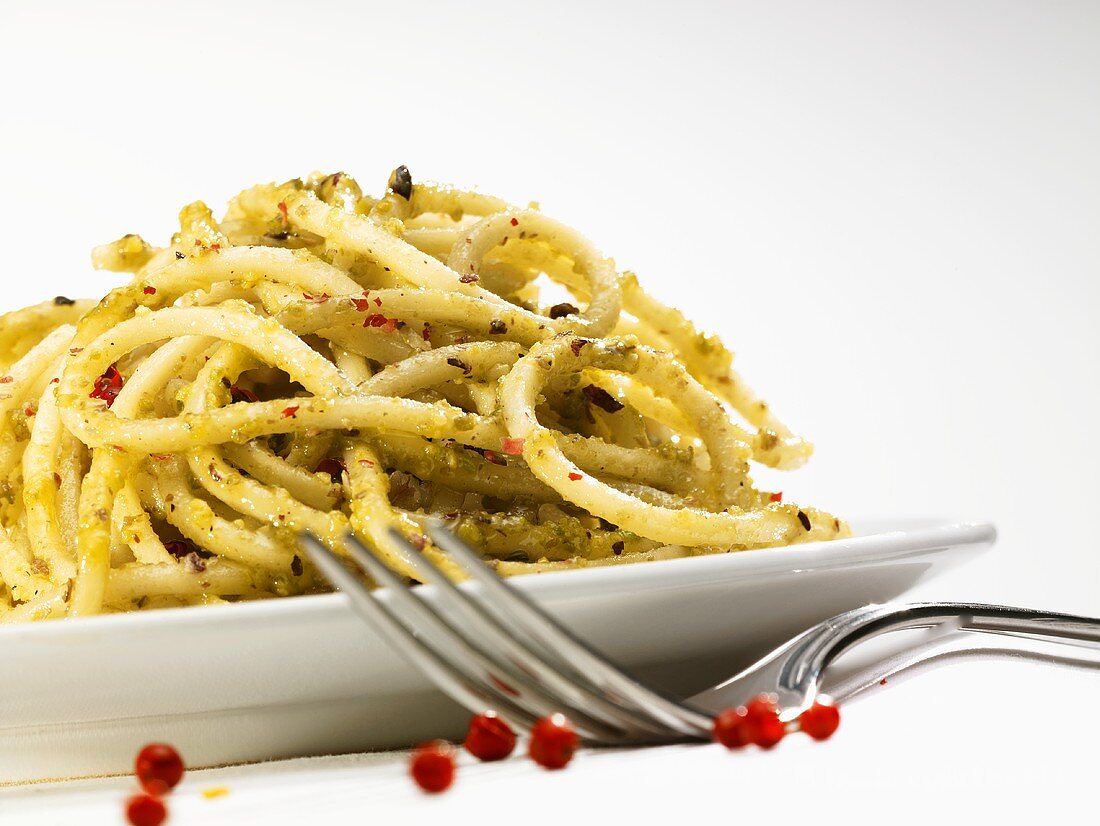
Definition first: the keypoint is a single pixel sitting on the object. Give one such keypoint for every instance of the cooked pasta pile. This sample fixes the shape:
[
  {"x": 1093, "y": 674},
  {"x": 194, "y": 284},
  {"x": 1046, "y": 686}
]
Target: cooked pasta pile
[{"x": 328, "y": 361}]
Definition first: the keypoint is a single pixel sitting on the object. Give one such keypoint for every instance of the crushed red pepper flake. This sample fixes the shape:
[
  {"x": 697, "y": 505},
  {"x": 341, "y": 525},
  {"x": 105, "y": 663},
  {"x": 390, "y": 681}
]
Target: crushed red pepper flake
[
  {"x": 377, "y": 301},
  {"x": 360, "y": 304},
  {"x": 284, "y": 214},
  {"x": 73, "y": 351},
  {"x": 379, "y": 320},
  {"x": 515, "y": 222},
  {"x": 776, "y": 497},
  {"x": 573, "y": 477},
  {"x": 29, "y": 411},
  {"x": 366, "y": 462},
  {"x": 150, "y": 290},
  {"x": 107, "y": 387},
  {"x": 241, "y": 394},
  {"x": 288, "y": 412},
  {"x": 513, "y": 447},
  {"x": 577, "y": 344},
  {"x": 7, "y": 379}
]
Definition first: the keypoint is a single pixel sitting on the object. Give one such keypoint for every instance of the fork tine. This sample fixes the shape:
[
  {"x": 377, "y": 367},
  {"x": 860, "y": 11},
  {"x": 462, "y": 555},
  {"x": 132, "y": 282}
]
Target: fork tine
[
  {"x": 573, "y": 689},
  {"x": 472, "y": 694},
  {"x": 517, "y": 608},
  {"x": 467, "y": 655}
]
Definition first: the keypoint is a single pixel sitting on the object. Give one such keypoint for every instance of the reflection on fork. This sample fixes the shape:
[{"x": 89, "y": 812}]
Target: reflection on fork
[{"x": 489, "y": 646}]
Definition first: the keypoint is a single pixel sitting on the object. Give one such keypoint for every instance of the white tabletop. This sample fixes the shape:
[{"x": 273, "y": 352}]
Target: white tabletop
[
  {"x": 888, "y": 209},
  {"x": 926, "y": 750}
]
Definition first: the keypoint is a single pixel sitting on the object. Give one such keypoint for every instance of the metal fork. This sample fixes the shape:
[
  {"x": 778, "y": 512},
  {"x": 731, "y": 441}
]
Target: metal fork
[{"x": 494, "y": 648}]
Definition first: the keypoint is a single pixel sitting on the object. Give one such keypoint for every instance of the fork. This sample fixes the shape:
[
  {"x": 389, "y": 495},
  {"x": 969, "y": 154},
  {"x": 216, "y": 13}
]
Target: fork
[{"x": 491, "y": 647}]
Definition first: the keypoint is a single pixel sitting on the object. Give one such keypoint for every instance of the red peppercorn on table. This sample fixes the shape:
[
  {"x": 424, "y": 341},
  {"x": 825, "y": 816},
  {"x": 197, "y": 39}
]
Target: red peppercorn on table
[{"x": 889, "y": 747}]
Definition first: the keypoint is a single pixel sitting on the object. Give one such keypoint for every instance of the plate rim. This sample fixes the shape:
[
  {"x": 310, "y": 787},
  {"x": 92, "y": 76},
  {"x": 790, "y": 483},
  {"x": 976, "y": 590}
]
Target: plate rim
[{"x": 882, "y": 546}]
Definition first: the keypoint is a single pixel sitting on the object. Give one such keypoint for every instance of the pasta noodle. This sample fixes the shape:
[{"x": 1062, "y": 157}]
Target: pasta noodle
[{"x": 328, "y": 361}]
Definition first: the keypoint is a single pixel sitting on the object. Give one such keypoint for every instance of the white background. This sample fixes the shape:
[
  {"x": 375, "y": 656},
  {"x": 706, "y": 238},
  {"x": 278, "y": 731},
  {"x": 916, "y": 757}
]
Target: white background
[{"x": 889, "y": 210}]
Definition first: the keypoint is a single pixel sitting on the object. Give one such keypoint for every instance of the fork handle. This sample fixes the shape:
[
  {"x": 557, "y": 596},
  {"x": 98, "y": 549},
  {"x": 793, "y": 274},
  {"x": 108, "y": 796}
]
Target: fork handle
[
  {"x": 962, "y": 630},
  {"x": 979, "y": 617},
  {"x": 845, "y": 683},
  {"x": 796, "y": 670}
]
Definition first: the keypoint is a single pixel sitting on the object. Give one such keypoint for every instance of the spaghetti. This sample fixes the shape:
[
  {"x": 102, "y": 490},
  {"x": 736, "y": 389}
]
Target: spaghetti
[{"x": 327, "y": 361}]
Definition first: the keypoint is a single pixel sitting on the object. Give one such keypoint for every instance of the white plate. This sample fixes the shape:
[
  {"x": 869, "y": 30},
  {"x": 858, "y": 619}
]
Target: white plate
[{"x": 304, "y": 676}]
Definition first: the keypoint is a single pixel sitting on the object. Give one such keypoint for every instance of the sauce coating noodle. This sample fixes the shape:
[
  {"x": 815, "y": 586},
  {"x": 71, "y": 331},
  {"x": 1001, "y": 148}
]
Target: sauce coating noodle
[{"x": 328, "y": 361}]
